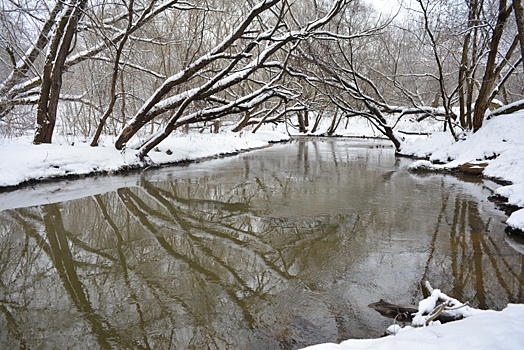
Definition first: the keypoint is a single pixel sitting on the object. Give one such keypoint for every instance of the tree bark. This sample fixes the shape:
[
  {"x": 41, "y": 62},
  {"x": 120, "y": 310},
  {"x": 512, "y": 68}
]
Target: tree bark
[
  {"x": 490, "y": 74},
  {"x": 519, "y": 16},
  {"x": 53, "y": 69},
  {"x": 466, "y": 65},
  {"x": 114, "y": 78},
  {"x": 24, "y": 64}
]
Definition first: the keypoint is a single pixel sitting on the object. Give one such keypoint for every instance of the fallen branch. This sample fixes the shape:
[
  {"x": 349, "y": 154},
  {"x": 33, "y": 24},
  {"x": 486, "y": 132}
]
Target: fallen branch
[
  {"x": 398, "y": 312},
  {"x": 436, "y": 306}
]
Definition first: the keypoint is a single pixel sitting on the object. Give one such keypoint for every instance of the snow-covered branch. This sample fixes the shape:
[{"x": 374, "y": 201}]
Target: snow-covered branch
[{"x": 231, "y": 53}]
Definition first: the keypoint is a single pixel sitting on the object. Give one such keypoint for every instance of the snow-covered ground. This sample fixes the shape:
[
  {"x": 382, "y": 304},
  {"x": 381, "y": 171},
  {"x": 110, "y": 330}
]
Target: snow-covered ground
[
  {"x": 500, "y": 141},
  {"x": 22, "y": 161},
  {"x": 486, "y": 330}
]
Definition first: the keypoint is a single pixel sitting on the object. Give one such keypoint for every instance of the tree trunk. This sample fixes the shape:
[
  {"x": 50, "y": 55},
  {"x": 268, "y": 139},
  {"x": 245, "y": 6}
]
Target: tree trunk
[
  {"x": 388, "y": 130},
  {"x": 112, "y": 92},
  {"x": 519, "y": 15},
  {"x": 483, "y": 99},
  {"x": 243, "y": 123},
  {"x": 301, "y": 124},
  {"x": 53, "y": 69},
  {"x": 317, "y": 122},
  {"x": 465, "y": 65},
  {"x": 333, "y": 127},
  {"x": 21, "y": 68}
]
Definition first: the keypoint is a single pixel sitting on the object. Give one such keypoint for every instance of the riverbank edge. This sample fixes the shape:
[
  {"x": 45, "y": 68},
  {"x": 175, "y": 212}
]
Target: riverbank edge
[
  {"x": 501, "y": 203},
  {"x": 132, "y": 168},
  {"x": 143, "y": 166}
]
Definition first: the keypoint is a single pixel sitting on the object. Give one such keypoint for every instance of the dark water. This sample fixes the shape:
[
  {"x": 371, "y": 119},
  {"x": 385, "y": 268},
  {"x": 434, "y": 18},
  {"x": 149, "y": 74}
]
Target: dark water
[{"x": 274, "y": 249}]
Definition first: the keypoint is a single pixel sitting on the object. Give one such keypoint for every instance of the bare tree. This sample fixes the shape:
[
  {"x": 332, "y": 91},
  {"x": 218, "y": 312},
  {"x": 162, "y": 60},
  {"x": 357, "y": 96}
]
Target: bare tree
[
  {"x": 519, "y": 17},
  {"x": 51, "y": 84},
  {"x": 263, "y": 34},
  {"x": 493, "y": 70},
  {"x": 130, "y": 28}
]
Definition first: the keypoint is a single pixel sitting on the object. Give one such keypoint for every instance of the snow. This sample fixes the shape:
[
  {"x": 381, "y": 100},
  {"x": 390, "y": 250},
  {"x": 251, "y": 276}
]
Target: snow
[
  {"x": 516, "y": 220},
  {"x": 22, "y": 161},
  {"x": 425, "y": 307},
  {"x": 486, "y": 330},
  {"x": 480, "y": 329}
]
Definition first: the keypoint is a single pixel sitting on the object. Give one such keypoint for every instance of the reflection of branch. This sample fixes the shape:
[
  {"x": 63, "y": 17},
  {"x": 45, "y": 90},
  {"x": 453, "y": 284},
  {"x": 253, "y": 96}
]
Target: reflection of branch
[
  {"x": 216, "y": 228},
  {"x": 63, "y": 261},
  {"x": 494, "y": 263},
  {"x": 433, "y": 244},
  {"x": 187, "y": 227},
  {"x": 130, "y": 200},
  {"x": 12, "y": 326},
  {"x": 123, "y": 263}
]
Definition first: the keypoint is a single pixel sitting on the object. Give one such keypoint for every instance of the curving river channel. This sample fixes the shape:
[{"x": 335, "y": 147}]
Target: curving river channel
[{"x": 273, "y": 249}]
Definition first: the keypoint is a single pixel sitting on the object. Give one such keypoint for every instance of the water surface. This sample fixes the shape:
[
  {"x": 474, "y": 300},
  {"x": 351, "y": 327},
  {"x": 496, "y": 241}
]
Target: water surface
[{"x": 274, "y": 249}]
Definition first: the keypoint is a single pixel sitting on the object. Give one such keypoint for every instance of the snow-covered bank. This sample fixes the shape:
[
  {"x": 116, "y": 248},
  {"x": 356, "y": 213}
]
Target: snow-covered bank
[
  {"x": 499, "y": 143},
  {"x": 485, "y": 330},
  {"x": 21, "y": 161},
  {"x": 478, "y": 329}
]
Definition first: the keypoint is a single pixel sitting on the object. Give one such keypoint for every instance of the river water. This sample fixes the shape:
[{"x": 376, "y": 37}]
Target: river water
[{"x": 273, "y": 249}]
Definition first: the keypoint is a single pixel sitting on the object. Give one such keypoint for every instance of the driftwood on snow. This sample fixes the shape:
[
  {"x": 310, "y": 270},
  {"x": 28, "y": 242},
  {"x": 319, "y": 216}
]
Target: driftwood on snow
[{"x": 405, "y": 313}]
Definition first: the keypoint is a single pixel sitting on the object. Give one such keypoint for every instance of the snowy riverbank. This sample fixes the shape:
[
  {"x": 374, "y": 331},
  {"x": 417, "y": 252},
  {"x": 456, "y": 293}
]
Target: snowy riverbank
[
  {"x": 486, "y": 330},
  {"x": 21, "y": 161}
]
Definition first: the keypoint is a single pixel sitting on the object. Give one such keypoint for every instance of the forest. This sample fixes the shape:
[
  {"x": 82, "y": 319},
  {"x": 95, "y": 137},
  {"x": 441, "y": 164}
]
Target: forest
[{"x": 142, "y": 69}]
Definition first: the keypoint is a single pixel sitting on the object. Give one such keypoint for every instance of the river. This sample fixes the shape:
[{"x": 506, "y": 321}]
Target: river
[{"x": 273, "y": 249}]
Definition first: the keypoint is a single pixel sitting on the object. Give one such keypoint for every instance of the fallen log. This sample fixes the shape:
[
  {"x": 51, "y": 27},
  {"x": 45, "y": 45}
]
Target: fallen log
[
  {"x": 398, "y": 312},
  {"x": 405, "y": 313}
]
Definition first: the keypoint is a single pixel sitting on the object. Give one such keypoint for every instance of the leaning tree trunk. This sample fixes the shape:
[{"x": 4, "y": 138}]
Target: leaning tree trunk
[
  {"x": 112, "y": 93},
  {"x": 490, "y": 74},
  {"x": 519, "y": 15},
  {"x": 53, "y": 69}
]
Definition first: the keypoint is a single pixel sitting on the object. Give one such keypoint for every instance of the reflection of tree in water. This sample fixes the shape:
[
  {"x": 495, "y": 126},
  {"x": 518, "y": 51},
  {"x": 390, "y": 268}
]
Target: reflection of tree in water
[
  {"x": 47, "y": 246},
  {"x": 197, "y": 256},
  {"x": 473, "y": 266}
]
